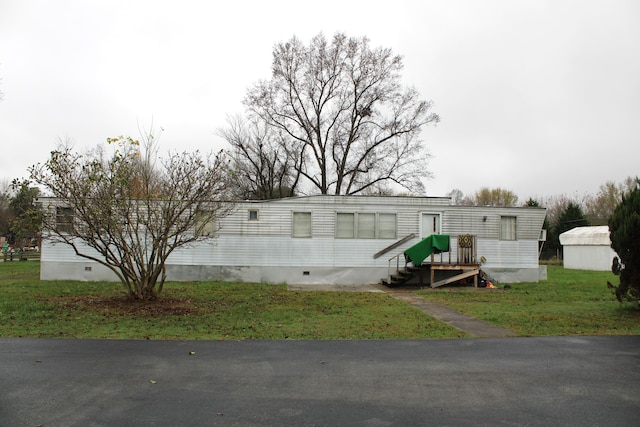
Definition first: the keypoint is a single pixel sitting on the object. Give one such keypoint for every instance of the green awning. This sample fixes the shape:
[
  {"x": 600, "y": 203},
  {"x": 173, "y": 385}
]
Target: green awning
[{"x": 433, "y": 244}]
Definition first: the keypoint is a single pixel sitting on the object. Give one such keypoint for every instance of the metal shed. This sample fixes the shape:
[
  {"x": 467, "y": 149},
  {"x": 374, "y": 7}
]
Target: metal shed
[{"x": 587, "y": 248}]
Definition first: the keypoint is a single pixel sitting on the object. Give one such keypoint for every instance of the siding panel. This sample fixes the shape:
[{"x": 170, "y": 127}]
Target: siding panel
[{"x": 267, "y": 241}]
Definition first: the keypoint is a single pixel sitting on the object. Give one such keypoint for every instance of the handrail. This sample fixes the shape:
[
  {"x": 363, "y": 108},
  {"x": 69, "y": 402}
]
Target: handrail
[
  {"x": 394, "y": 245},
  {"x": 397, "y": 257}
]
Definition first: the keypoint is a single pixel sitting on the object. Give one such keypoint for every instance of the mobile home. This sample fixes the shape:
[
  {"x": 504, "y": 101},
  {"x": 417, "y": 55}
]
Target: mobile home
[{"x": 335, "y": 240}]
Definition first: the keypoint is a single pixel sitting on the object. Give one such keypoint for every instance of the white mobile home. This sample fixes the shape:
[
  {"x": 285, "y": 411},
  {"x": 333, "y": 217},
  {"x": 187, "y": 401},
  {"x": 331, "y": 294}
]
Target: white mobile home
[
  {"x": 335, "y": 240},
  {"x": 587, "y": 248}
]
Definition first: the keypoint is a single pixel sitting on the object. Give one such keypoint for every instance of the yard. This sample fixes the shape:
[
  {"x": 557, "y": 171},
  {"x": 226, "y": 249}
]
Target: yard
[{"x": 569, "y": 303}]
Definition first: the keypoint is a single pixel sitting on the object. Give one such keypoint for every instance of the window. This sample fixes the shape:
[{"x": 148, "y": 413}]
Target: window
[
  {"x": 64, "y": 219},
  {"x": 508, "y": 228},
  {"x": 345, "y": 225},
  {"x": 301, "y": 224},
  {"x": 366, "y": 226},
  {"x": 386, "y": 226},
  {"x": 253, "y": 215},
  {"x": 204, "y": 225}
]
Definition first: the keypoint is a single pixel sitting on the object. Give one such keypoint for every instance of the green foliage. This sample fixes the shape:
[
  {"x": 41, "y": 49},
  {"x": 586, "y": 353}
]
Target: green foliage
[
  {"x": 570, "y": 218},
  {"x": 624, "y": 226},
  {"x": 5, "y": 211},
  {"x": 532, "y": 203},
  {"x": 26, "y": 223}
]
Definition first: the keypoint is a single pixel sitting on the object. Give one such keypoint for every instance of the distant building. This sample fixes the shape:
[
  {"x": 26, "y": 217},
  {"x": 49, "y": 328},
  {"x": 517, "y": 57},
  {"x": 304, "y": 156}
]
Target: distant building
[{"x": 587, "y": 248}]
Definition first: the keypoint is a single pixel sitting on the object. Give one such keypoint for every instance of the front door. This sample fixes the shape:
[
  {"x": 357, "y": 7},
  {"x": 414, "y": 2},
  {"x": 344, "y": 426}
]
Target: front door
[{"x": 430, "y": 224}]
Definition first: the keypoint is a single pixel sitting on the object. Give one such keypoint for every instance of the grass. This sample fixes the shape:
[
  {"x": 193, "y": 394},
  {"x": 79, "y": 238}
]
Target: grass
[
  {"x": 202, "y": 310},
  {"x": 570, "y": 302}
]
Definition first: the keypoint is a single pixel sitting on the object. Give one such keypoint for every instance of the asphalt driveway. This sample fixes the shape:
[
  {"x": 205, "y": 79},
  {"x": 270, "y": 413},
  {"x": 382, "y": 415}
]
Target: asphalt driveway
[{"x": 509, "y": 381}]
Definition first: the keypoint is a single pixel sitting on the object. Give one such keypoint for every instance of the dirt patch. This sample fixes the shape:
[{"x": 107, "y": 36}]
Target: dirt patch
[{"x": 122, "y": 305}]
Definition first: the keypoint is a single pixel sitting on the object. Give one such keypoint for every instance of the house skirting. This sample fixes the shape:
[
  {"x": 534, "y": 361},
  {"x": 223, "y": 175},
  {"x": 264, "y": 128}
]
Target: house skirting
[{"x": 90, "y": 271}]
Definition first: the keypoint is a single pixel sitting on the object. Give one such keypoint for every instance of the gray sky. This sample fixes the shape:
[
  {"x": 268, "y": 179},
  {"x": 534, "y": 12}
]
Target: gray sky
[{"x": 538, "y": 97}]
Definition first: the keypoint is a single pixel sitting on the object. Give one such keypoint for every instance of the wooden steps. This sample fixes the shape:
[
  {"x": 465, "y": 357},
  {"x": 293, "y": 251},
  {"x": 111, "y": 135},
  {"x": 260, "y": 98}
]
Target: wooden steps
[
  {"x": 425, "y": 274},
  {"x": 401, "y": 277}
]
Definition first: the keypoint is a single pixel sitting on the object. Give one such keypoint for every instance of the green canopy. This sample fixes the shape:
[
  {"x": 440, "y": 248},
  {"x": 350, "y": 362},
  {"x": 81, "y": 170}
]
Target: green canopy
[{"x": 433, "y": 244}]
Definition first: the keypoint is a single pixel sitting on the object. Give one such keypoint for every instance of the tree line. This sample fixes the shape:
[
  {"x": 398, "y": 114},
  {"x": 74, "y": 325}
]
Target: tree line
[{"x": 564, "y": 212}]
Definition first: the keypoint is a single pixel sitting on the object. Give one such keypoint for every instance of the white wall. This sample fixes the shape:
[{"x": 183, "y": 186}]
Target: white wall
[{"x": 596, "y": 257}]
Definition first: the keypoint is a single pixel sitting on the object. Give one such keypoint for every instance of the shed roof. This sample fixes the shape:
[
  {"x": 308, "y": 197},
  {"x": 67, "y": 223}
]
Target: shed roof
[{"x": 587, "y": 236}]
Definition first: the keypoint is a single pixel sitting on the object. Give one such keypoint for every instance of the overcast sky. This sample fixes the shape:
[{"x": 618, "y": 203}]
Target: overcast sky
[{"x": 538, "y": 97}]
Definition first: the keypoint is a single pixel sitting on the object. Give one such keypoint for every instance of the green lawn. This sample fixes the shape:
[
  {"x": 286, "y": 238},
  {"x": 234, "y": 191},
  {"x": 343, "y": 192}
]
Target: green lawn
[
  {"x": 570, "y": 302},
  {"x": 210, "y": 310}
]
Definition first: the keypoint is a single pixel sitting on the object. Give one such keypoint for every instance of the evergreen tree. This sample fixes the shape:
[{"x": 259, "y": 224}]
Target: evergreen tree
[
  {"x": 624, "y": 226},
  {"x": 572, "y": 217},
  {"x": 26, "y": 223}
]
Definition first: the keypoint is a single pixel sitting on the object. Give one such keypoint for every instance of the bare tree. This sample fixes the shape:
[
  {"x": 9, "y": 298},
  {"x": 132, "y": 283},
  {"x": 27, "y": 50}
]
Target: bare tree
[
  {"x": 459, "y": 199},
  {"x": 495, "y": 197},
  {"x": 263, "y": 167},
  {"x": 126, "y": 213},
  {"x": 340, "y": 105},
  {"x": 600, "y": 207}
]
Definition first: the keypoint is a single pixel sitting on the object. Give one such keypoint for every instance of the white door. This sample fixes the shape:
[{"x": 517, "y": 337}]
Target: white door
[{"x": 430, "y": 224}]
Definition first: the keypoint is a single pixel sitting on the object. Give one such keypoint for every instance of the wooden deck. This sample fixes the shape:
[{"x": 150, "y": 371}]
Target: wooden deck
[
  {"x": 465, "y": 262},
  {"x": 467, "y": 271}
]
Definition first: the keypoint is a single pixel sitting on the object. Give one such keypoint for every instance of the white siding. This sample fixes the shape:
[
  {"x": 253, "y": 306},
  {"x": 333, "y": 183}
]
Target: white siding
[
  {"x": 588, "y": 257},
  {"x": 267, "y": 242}
]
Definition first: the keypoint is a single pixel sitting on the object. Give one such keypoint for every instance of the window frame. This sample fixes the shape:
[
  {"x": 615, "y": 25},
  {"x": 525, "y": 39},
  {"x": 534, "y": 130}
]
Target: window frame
[
  {"x": 380, "y": 229},
  {"x": 340, "y": 232},
  {"x": 508, "y": 228},
  {"x": 361, "y": 225},
  {"x": 295, "y": 225},
  {"x": 355, "y": 225},
  {"x": 65, "y": 217},
  {"x": 208, "y": 228}
]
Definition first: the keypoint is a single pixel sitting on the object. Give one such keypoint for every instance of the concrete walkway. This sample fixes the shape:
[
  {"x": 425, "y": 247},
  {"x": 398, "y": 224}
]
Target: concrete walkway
[{"x": 465, "y": 323}]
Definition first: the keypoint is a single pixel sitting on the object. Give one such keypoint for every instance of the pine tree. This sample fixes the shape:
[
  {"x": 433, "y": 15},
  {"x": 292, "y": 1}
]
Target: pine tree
[{"x": 624, "y": 226}]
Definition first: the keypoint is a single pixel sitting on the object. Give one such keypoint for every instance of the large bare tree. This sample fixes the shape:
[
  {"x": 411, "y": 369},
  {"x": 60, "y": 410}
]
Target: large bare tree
[
  {"x": 340, "y": 105},
  {"x": 129, "y": 213},
  {"x": 263, "y": 166}
]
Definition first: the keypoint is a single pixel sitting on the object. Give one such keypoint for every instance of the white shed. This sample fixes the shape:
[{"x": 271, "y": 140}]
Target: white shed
[{"x": 587, "y": 248}]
